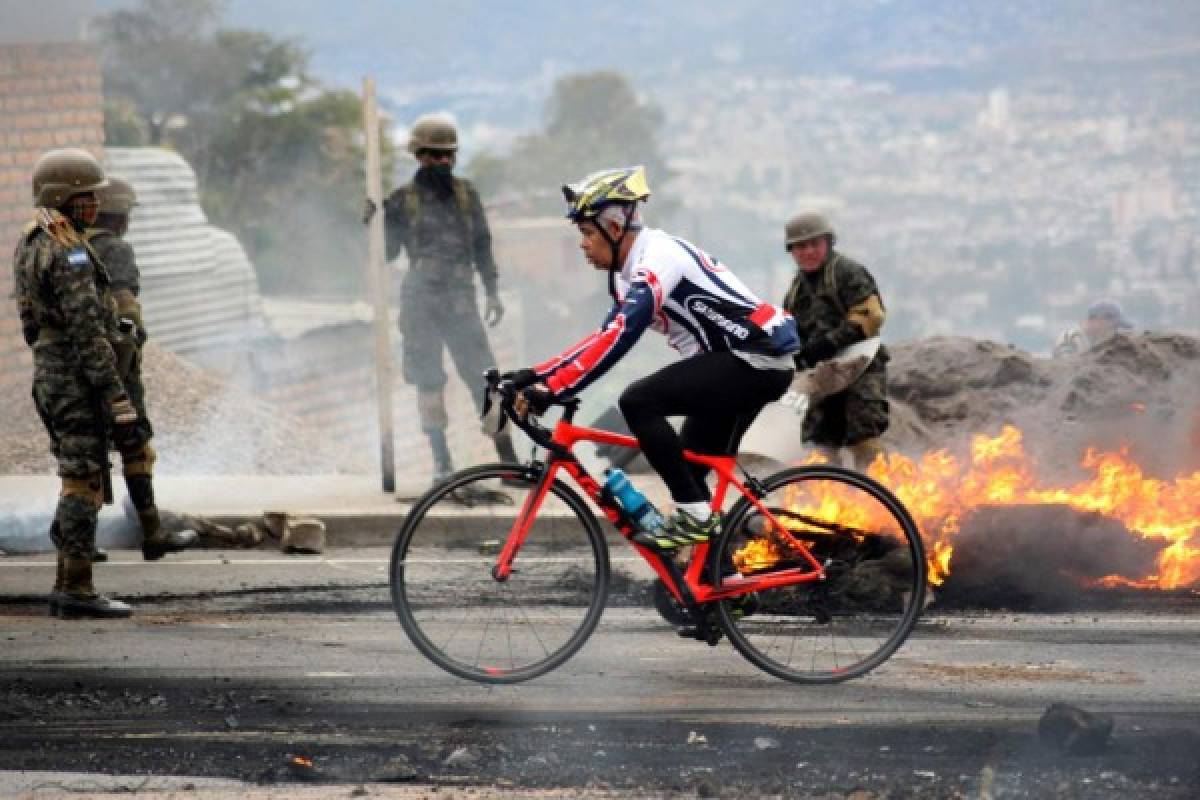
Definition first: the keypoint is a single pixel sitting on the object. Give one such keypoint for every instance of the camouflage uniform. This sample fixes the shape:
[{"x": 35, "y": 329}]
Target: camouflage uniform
[
  {"x": 446, "y": 236},
  {"x": 116, "y": 256},
  {"x": 68, "y": 315},
  {"x": 821, "y": 302}
]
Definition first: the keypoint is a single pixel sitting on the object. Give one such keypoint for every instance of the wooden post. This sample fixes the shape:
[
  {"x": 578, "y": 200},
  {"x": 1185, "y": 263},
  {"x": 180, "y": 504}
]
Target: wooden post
[{"x": 380, "y": 284}]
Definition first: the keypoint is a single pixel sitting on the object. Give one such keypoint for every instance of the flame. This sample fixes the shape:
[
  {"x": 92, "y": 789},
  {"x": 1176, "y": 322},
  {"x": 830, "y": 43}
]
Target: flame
[
  {"x": 758, "y": 554},
  {"x": 939, "y": 490},
  {"x": 939, "y": 562}
]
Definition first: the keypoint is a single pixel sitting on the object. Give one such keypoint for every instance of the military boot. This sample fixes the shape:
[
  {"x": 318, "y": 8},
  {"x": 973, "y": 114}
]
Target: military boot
[
  {"x": 156, "y": 542},
  {"x": 60, "y": 577},
  {"x": 79, "y": 599}
]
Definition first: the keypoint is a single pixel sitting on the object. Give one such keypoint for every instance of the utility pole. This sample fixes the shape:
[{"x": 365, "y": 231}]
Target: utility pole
[{"x": 380, "y": 284}]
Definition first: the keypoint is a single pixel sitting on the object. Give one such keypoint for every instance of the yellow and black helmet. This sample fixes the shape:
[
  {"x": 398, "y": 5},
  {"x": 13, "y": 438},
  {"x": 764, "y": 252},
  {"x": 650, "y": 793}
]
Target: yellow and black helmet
[{"x": 587, "y": 198}]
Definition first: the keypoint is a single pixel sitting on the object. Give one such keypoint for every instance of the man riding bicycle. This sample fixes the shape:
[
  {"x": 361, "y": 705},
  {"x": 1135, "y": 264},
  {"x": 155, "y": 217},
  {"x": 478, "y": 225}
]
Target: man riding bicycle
[{"x": 737, "y": 350}]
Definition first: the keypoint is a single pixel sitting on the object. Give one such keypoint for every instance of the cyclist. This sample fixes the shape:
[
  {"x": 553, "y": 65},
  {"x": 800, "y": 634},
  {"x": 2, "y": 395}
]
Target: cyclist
[{"x": 737, "y": 350}]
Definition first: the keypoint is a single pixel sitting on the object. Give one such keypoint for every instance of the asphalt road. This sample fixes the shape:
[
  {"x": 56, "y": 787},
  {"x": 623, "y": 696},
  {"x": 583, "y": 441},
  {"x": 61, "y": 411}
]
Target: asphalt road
[{"x": 238, "y": 663}]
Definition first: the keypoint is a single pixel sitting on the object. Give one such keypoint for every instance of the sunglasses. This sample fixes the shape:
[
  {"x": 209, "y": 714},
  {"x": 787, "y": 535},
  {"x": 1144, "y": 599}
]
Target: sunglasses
[{"x": 441, "y": 155}]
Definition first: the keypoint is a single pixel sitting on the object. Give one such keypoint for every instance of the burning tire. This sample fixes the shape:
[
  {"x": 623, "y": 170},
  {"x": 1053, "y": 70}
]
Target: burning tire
[{"x": 851, "y": 622}]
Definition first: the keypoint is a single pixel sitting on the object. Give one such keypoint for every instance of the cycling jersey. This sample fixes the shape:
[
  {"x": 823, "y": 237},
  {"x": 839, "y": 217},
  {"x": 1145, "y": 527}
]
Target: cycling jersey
[{"x": 677, "y": 289}]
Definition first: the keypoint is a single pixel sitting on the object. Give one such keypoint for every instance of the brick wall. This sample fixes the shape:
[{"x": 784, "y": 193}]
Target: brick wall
[{"x": 50, "y": 96}]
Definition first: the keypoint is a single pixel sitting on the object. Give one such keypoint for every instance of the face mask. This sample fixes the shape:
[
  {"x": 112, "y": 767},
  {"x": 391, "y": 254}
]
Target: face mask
[{"x": 439, "y": 177}]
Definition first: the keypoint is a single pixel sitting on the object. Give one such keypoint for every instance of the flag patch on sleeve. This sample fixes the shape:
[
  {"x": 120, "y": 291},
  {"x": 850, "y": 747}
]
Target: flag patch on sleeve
[{"x": 78, "y": 258}]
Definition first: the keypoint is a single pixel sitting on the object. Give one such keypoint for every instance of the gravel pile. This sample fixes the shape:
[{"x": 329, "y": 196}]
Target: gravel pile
[{"x": 203, "y": 425}]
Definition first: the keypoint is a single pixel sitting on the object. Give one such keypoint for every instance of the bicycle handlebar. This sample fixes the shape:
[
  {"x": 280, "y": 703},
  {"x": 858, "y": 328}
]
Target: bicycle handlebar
[{"x": 507, "y": 392}]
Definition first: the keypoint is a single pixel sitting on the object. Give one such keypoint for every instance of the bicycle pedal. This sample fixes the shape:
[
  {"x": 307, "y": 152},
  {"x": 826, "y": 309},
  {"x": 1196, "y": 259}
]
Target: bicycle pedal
[{"x": 709, "y": 634}]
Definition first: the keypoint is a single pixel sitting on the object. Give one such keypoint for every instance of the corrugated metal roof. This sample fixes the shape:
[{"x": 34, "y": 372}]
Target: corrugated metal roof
[{"x": 199, "y": 290}]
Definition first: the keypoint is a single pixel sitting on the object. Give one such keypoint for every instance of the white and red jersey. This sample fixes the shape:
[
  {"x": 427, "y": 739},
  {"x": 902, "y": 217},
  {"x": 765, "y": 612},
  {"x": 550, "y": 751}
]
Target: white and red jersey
[{"x": 680, "y": 291}]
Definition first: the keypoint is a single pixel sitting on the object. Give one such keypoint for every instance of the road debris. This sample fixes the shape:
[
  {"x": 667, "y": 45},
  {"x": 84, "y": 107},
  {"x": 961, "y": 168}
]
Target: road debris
[
  {"x": 1073, "y": 731},
  {"x": 398, "y": 769},
  {"x": 461, "y": 757},
  {"x": 304, "y": 535}
]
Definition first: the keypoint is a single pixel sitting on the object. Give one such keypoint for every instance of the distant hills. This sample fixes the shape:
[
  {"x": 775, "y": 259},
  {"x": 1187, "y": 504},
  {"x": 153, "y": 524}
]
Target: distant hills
[{"x": 493, "y": 61}]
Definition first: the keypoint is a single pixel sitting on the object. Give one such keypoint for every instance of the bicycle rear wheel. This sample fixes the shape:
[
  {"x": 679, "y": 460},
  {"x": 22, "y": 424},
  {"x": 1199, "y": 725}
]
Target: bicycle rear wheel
[
  {"x": 466, "y": 621},
  {"x": 854, "y": 620}
]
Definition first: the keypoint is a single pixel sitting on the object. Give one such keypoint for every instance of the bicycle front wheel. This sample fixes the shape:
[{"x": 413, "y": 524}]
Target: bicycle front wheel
[
  {"x": 854, "y": 620},
  {"x": 468, "y": 622}
]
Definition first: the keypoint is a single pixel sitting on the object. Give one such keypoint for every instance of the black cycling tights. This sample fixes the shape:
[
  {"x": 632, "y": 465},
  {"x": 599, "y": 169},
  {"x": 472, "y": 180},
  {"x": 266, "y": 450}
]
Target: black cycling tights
[{"x": 718, "y": 393}]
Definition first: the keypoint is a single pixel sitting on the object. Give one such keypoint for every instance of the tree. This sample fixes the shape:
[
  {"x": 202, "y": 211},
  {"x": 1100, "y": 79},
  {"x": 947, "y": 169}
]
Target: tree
[
  {"x": 277, "y": 156},
  {"x": 593, "y": 121},
  {"x": 160, "y": 59}
]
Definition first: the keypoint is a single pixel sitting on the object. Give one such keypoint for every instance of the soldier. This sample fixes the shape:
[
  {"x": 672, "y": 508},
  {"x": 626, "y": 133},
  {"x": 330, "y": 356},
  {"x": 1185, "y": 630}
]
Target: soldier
[
  {"x": 1104, "y": 320},
  {"x": 836, "y": 303},
  {"x": 115, "y": 255},
  {"x": 68, "y": 318},
  {"x": 439, "y": 220}
]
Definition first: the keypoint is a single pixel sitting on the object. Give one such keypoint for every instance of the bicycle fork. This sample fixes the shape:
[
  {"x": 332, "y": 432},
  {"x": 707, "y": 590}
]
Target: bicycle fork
[{"x": 503, "y": 568}]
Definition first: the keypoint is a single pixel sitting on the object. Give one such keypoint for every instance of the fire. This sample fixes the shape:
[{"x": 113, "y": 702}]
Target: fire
[
  {"x": 940, "y": 490},
  {"x": 757, "y": 554}
]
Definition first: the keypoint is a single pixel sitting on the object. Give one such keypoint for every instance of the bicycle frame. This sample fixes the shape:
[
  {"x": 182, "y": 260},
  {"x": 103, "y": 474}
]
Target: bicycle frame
[{"x": 690, "y": 586}]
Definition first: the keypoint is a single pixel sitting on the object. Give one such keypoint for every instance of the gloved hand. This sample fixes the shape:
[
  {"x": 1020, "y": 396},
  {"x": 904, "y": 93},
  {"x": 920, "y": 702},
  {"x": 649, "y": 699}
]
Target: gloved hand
[
  {"x": 494, "y": 311},
  {"x": 122, "y": 411},
  {"x": 536, "y": 399},
  {"x": 369, "y": 209},
  {"x": 520, "y": 378},
  {"x": 814, "y": 352}
]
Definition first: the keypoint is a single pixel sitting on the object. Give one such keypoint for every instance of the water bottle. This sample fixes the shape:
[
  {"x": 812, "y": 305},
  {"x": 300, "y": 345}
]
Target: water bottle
[{"x": 635, "y": 505}]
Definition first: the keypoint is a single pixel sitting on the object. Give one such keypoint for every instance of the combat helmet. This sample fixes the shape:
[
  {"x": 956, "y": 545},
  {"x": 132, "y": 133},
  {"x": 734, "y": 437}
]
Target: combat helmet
[
  {"x": 60, "y": 174},
  {"x": 432, "y": 132},
  {"x": 118, "y": 197},
  {"x": 808, "y": 225}
]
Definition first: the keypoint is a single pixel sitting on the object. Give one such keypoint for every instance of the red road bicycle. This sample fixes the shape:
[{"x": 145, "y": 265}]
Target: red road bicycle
[{"x": 499, "y": 574}]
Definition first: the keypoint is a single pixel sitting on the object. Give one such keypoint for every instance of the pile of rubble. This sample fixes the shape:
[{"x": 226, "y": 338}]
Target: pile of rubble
[
  {"x": 1132, "y": 390},
  {"x": 203, "y": 425},
  {"x": 291, "y": 534}
]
